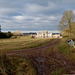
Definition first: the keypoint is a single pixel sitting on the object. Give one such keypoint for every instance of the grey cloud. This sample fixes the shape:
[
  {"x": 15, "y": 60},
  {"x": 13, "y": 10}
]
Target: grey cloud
[{"x": 33, "y": 14}]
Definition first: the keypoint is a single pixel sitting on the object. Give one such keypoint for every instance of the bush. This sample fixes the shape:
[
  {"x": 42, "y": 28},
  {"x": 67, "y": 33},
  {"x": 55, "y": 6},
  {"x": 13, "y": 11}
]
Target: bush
[
  {"x": 3, "y": 35},
  {"x": 6, "y": 35},
  {"x": 9, "y": 34}
]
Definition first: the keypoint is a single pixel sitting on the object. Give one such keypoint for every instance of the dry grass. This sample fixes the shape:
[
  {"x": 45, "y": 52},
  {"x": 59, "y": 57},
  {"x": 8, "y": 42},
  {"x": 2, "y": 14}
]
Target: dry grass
[
  {"x": 16, "y": 66},
  {"x": 21, "y": 43}
]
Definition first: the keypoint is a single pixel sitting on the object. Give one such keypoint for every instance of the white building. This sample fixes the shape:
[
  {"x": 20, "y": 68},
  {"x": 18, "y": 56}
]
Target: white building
[{"x": 45, "y": 34}]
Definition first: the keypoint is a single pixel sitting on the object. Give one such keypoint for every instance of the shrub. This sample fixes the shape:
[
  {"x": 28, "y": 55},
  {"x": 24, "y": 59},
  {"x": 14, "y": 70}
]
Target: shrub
[
  {"x": 6, "y": 35},
  {"x": 9, "y": 34}
]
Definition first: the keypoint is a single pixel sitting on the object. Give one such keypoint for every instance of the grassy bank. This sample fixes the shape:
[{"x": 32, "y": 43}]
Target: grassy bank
[
  {"x": 66, "y": 49},
  {"x": 21, "y": 43}
]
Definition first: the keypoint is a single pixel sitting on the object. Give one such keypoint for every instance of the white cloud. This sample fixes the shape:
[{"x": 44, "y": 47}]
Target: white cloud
[
  {"x": 35, "y": 23},
  {"x": 52, "y": 17},
  {"x": 37, "y": 18},
  {"x": 20, "y": 17},
  {"x": 45, "y": 21}
]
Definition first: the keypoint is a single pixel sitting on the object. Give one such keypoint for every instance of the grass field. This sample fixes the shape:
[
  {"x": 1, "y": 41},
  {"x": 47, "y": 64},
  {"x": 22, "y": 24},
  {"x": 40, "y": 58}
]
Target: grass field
[
  {"x": 21, "y": 43},
  {"x": 25, "y": 66}
]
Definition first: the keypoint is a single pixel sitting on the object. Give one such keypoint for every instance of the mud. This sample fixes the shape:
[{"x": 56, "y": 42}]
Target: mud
[{"x": 42, "y": 61}]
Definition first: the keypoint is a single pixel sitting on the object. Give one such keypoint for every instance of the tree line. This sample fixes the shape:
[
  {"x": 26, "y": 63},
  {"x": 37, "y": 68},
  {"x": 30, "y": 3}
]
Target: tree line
[{"x": 5, "y": 35}]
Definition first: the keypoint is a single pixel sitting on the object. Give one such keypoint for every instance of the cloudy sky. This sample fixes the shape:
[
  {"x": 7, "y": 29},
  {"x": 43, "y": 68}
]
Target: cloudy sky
[{"x": 33, "y": 15}]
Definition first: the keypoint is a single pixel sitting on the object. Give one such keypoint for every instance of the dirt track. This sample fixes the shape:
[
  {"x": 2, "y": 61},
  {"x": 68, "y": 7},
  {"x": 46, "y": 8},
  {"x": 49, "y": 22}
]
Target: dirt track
[
  {"x": 32, "y": 51},
  {"x": 40, "y": 59}
]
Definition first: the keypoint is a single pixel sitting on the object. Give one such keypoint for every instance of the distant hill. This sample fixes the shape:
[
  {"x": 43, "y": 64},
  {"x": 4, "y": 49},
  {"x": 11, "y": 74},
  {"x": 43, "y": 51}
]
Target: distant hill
[{"x": 26, "y": 34}]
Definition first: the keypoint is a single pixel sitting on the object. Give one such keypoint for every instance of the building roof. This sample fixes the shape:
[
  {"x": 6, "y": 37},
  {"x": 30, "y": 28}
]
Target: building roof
[{"x": 55, "y": 33}]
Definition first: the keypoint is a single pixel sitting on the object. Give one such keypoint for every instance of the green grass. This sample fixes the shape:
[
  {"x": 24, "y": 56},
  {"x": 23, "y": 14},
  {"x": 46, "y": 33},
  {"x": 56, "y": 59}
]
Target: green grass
[
  {"x": 66, "y": 49},
  {"x": 21, "y": 43},
  {"x": 59, "y": 71},
  {"x": 16, "y": 66}
]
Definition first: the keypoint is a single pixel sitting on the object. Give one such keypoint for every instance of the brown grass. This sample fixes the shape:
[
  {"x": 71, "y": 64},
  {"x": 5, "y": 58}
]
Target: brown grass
[{"x": 21, "y": 43}]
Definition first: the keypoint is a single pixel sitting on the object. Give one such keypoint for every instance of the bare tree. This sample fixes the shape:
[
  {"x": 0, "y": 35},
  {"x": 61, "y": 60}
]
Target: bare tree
[{"x": 66, "y": 20}]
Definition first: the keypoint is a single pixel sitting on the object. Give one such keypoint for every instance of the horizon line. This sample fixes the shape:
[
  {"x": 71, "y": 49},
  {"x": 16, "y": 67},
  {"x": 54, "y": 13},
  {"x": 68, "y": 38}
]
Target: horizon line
[{"x": 22, "y": 31}]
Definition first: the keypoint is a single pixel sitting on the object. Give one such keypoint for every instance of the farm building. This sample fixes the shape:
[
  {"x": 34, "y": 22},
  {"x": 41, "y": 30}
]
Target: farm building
[{"x": 45, "y": 34}]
